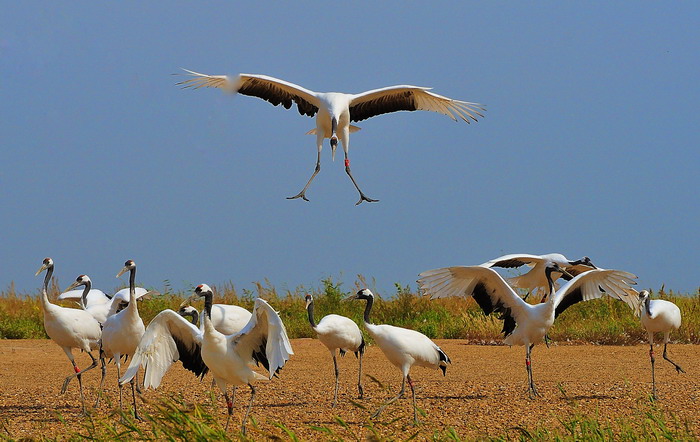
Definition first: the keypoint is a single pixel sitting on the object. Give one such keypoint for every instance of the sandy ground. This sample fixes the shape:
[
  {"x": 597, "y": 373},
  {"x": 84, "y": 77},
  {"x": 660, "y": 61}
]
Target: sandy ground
[{"x": 482, "y": 394}]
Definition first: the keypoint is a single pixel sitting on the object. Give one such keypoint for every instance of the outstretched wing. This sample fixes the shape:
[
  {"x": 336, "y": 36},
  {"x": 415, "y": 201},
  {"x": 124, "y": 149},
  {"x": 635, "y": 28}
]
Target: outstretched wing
[
  {"x": 514, "y": 260},
  {"x": 264, "y": 339},
  {"x": 593, "y": 284},
  {"x": 488, "y": 288},
  {"x": 123, "y": 294},
  {"x": 410, "y": 98},
  {"x": 270, "y": 89},
  {"x": 94, "y": 297},
  {"x": 168, "y": 338}
]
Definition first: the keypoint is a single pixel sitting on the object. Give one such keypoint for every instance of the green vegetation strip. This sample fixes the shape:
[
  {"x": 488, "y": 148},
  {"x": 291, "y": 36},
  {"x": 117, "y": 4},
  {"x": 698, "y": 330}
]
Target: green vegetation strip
[
  {"x": 176, "y": 420},
  {"x": 603, "y": 321}
]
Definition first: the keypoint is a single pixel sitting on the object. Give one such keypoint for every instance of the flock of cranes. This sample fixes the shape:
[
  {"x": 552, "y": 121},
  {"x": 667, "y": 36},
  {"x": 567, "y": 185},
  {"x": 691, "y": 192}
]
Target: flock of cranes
[{"x": 228, "y": 341}]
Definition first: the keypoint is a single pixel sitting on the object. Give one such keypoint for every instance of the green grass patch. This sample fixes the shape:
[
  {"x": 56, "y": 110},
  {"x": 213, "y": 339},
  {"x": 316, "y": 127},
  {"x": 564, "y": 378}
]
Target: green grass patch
[{"x": 603, "y": 321}]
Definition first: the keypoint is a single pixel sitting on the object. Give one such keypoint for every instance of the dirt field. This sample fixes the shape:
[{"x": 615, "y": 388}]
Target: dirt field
[{"x": 483, "y": 392}]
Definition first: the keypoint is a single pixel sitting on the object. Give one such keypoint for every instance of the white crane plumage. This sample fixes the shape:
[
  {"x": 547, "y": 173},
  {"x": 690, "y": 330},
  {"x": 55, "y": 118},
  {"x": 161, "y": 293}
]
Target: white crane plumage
[
  {"x": 335, "y": 111},
  {"x": 170, "y": 337},
  {"x": 523, "y": 323},
  {"x": 535, "y": 279},
  {"x": 123, "y": 331},
  {"x": 337, "y": 332},
  {"x": 404, "y": 348},
  {"x": 69, "y": 328},
  {"x": 98, "y": 304},
  {"x": 226, "y": 319},
  {"x": 658, "y": 316}
]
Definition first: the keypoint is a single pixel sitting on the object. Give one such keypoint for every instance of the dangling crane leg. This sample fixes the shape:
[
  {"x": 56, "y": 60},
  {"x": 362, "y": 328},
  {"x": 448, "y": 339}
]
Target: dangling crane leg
[
  {"x": 302, "y": 194},
  {"x": 363, "y": 197}
]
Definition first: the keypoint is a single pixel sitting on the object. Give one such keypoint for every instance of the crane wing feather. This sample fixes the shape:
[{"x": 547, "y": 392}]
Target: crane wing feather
[
  {"x": 264, "y": 339},
  {"x": 593, "y": 284},
  {"x": 485, "y": 285},
  {"x": 410, "y": 98},
  {"x": 270, "y": 89},
  {"x": 94, "y": 297},
  {"x": 168, "y": 338},
  {"x": 513, "y": 260}
]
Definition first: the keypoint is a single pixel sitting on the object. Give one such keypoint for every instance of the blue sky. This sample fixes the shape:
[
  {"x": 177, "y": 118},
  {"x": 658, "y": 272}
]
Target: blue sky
[{"x": 589, "y": 145}]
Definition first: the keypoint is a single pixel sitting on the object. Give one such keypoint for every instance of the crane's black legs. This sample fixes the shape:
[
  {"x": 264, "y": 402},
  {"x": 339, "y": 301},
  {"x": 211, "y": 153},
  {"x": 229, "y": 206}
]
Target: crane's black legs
[
  {"x": 653, "y": 377},
  {"x": 250, "y": 405},
  {"x": 359, "y": 379},
  {"x": 134, "y": 382},
  {"x": 678, "y": 367},
  {"x": 229, "y": 407},
  {"x": 337, "y": 373},
  {"x": 363, "y": 197},
  {"x": 302, "y": 194},
  {"x": 103, "y": 365},
  {"x": 78, "y": 374},
  {"x": 413, "y": 393},
  {"x": 531, "y": 384},
  {"x": 392, "y": 400}
]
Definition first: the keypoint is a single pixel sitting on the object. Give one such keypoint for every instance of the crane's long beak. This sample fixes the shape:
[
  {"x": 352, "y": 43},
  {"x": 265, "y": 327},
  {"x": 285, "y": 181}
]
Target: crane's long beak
[
  {"x": 72, "y": 286},
  {"x": 569, "y": 275},
  {"x": 187, "y": 301},
  {"x": 41, "y": 269},
  {"x": 122, "y": 271}
]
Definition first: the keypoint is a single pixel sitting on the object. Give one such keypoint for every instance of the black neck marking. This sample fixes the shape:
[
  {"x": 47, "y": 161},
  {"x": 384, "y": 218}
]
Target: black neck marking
[
  {"x": 368, "y": 309},
  {"x": 208, "y": 302},
  {"x": 310, "y": 310},
  {"x": 647, "y": 305},
  {"x": 47, "y": 279},
  {"x": 83, "y": 299}
]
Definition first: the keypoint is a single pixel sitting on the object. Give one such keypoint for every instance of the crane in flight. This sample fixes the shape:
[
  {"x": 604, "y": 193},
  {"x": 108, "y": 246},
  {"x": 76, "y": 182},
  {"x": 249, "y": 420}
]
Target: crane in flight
[{"x": 335, "y": 111}]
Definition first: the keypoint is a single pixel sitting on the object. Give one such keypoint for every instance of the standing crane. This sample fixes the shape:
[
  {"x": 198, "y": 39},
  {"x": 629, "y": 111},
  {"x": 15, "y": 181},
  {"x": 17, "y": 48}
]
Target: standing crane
[
  {"x": 404, "y": 348},
  {"x": 170, "y": 337},
  {"x": 338, "y": 333},
  {"x": 69, "y": 328},
  {"x": 525, "y": 324},
  {"x": 658, "y": 316},
  {"x": 335, "y": 111},
  {"x": 122, "y": 333}
]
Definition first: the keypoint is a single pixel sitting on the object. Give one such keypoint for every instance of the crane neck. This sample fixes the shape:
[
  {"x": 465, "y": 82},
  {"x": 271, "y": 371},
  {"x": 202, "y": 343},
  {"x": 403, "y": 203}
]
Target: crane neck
[
  {"x": 647, "y": 306},
  {"x": 83, "y": 298},
  {"x": 368, "y": 309},
  {"x": 310, "y": 311},
  {"x": 132, "y": 285},
  {"x": 206, "y": 314},
  {"x": 550, "y": 287},
  {"x": 45, "y": 289},
  {"x": 195, "y": 318}
]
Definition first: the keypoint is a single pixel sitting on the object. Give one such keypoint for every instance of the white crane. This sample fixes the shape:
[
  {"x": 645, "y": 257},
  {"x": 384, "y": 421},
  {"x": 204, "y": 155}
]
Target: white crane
[
  {"x": 535, "y": 279},
  {"x": 334, "y": 110},
  {"x": 337, "y": 332},
  {"x": 404, "y": 348},
  {"x": 170, "y": 337},
  {"x": 658, "y": 316},
  {"x": 226, "y": 319},
  {"x": 69, "y": 328},
  {"x": 100, "y": 305},
  {"x": 122, "y": 332},
  {"x": 523, "y": 323}
]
